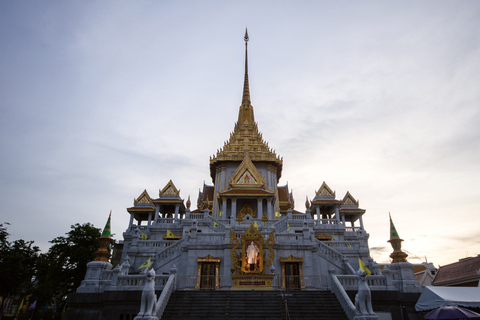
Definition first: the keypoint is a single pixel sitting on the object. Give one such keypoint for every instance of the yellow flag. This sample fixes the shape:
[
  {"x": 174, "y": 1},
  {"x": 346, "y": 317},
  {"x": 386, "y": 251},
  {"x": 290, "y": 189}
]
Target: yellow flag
[
  {"x": 146, "y": 264},
  {"x": 363, "y": 267},
  {"x": 144, "y": 236},
  {"x": 214, "y": 224},
  {"x": 255, "y": 225},
  {"x": 288, "y": 227},
  {"x": 169, "y": 234},
  {"x": 221, "y": 213},
  {"x": 19, "y": 308},
  {"x": 277, "y": 214}
]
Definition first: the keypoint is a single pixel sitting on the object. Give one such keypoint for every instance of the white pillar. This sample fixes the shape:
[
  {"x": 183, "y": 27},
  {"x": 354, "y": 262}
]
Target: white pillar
[
  {"x": 259, "y": 208},
  {"x": 234, "y": 207},
  {"x": 177, "y": 207}
]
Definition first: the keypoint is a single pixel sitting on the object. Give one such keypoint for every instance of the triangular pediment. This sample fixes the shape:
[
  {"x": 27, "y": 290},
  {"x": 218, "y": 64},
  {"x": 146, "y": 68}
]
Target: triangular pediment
[
  {"x": 144, "y": 198},
  {"x": 349, "y": 200},
  {"x": 325, "y": 191},
  {"x": 246, "y": 176},
  {"x": 169, "y": 190}
]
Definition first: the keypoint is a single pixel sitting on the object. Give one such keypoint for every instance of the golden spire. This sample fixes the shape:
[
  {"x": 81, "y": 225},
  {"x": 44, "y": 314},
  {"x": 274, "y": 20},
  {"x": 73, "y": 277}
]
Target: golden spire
[
  {"x": 245, "y": 135},
  {"x": 245, "y": 114}
]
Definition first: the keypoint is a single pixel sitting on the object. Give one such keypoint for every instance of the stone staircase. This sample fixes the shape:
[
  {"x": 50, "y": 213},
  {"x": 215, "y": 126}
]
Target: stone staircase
[{"x": 253, "y": 305}]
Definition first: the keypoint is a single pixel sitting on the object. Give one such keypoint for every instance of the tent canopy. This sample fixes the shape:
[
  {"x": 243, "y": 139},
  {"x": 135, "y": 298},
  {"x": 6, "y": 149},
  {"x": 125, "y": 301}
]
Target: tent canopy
[{"x": 434, "y": 297}]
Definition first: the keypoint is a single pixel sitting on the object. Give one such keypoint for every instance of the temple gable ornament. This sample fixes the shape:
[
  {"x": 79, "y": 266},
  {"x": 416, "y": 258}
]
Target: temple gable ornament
[
  {"x": 246, "y": 175},
  {"x": 169, "y": 189}
]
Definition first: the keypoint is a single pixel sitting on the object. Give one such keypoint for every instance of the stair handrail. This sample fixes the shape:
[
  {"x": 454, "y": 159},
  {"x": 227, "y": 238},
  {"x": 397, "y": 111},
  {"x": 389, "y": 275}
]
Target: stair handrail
[
  {"x": 343, "y": 297},
  {"x": 221, "y": 226},
  {"x": 168, "y": 252},
  {"x": 280, "y": 225},
  {"x": 166, "y": 293},
  {"x": 287, "y": 314}
]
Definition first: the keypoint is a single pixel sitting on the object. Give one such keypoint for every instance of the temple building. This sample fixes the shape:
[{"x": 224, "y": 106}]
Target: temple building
[{"x": 245, "y": 234}]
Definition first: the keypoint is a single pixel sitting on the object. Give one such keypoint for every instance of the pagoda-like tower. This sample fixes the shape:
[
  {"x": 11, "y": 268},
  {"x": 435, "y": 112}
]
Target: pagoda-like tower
[
  {"x": 397, "y": 255},
  {"x": 245, "y": 172}
]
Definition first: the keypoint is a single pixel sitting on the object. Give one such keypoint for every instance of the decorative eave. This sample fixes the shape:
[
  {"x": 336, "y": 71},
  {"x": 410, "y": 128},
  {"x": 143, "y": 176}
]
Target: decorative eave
[
  {"x": 326, "y": 202},
  {"x": 246, "y": 192},
  {"x": 167, "y": 201},
  {"x": 141, "y": 209}
]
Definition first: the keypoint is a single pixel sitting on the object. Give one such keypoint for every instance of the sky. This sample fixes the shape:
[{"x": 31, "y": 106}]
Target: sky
[{"x": 100, "y": 100}]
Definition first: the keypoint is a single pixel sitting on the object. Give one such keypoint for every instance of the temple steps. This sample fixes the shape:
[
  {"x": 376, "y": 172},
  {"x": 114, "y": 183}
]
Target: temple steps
[{"x": 253, "y": 305}]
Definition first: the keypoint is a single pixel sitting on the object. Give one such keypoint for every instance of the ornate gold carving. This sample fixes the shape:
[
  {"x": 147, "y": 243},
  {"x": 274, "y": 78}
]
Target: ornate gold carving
[
  {"x": 271, "y": 254},
  {"x": 291, "y": 258},
  {"x": 246, "y": 209},
  {"x": 169, "y": 189},
  {"x": 143, "y": 198},
  {"x": 349, "y": 200},
  {"x": 236, "y": 258},
  {"x": 189, "y": 203},
  {"x": 325, "y": 191},
  {"x": 209, "y": 258},
  {"x": 264, "y": 219},
  {"x": 255, "y": 257},
  {"x": 308, "y": 204},
  {"x": 246, "y": 175}
]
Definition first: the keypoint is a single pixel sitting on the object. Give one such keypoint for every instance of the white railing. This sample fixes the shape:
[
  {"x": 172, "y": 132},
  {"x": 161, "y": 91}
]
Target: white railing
[
  {"x": 289, "y": 237},
  {"x": 330, "y": 254},
  {"x": 156, "y": 243},
  {"x": 281, "y": 225},
  {"x": 216, "y": 225},
  {"x": 210, "y": 237},
  {"x": 352, "y": 229},
  {"x": 166, "y": 220},
  {"x": 196, "y": 216},
  {"x": 343, "y": 244},
  {"x": 375, "y": 282},
  {"x": 323, "y": 222},
  {"x": 169, "y": 252},
  {"x": 137, "y": 281},
  {"x": 342, "y": 297},
  {"x": 165, "y": 296},
  {"x": 300, "y": 216}
]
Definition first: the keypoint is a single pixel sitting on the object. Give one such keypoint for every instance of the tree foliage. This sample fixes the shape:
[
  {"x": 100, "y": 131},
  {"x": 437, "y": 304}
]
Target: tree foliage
[
  {"x": 61, "y": 270},
  {"x": 17, "y": 264}
]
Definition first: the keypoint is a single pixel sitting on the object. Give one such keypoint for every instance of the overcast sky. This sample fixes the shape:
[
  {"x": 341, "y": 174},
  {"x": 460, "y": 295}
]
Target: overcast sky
[{"x": 100, "y": 100}]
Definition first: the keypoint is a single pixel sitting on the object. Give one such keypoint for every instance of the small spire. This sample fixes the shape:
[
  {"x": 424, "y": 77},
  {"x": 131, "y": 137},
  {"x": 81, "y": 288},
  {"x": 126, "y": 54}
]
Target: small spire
[
  {"x": 393, "y": 231},
  {"x": 107, "y": 230},
  {"x": 246, "y": 110}
]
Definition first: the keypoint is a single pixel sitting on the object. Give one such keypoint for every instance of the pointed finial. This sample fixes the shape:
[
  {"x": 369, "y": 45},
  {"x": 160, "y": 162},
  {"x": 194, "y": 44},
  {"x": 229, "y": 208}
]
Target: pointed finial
[{"x": 246, "y": 35}]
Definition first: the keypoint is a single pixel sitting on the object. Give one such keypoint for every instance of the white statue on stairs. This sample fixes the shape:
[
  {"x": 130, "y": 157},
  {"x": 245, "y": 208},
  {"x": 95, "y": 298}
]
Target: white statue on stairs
[
  {"x": 149, "y": 299},
  {"x": 363, "y": 299}
]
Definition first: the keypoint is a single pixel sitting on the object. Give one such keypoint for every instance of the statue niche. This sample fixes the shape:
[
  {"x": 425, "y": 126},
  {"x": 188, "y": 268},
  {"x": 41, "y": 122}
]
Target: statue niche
[
  {"x": 253, "y": 255},
  {"x": 246, "y": 210}
]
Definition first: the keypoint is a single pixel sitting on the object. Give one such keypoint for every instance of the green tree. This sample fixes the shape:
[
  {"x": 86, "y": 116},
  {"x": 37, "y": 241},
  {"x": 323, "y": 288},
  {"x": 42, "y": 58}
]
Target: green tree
[
  {"x": 61, "y": 270},
  {"x": 17, "y": 264}
]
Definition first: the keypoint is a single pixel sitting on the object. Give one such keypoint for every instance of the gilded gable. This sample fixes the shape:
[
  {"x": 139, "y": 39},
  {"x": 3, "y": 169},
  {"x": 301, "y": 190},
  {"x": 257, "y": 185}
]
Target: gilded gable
[{"x": 170, "y": 189}]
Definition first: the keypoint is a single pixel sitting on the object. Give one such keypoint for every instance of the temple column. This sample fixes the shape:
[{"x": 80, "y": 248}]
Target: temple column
[
  {"x": 224, "y": 206},
  {"x": 269, "y": 210},
  {"x": 318, "y": 212},
  {"x": 177, "y": 207},
  {"x": 259, "y": 208},
  {"x": 361, "y": 222},
  {"x": 337, "y": 214},
  {"x": 149, "y": 219},
  {"x": 234, "y": 207},
  {"x": 131, "y": 221},
  {"x": 157, "y": 211}
]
